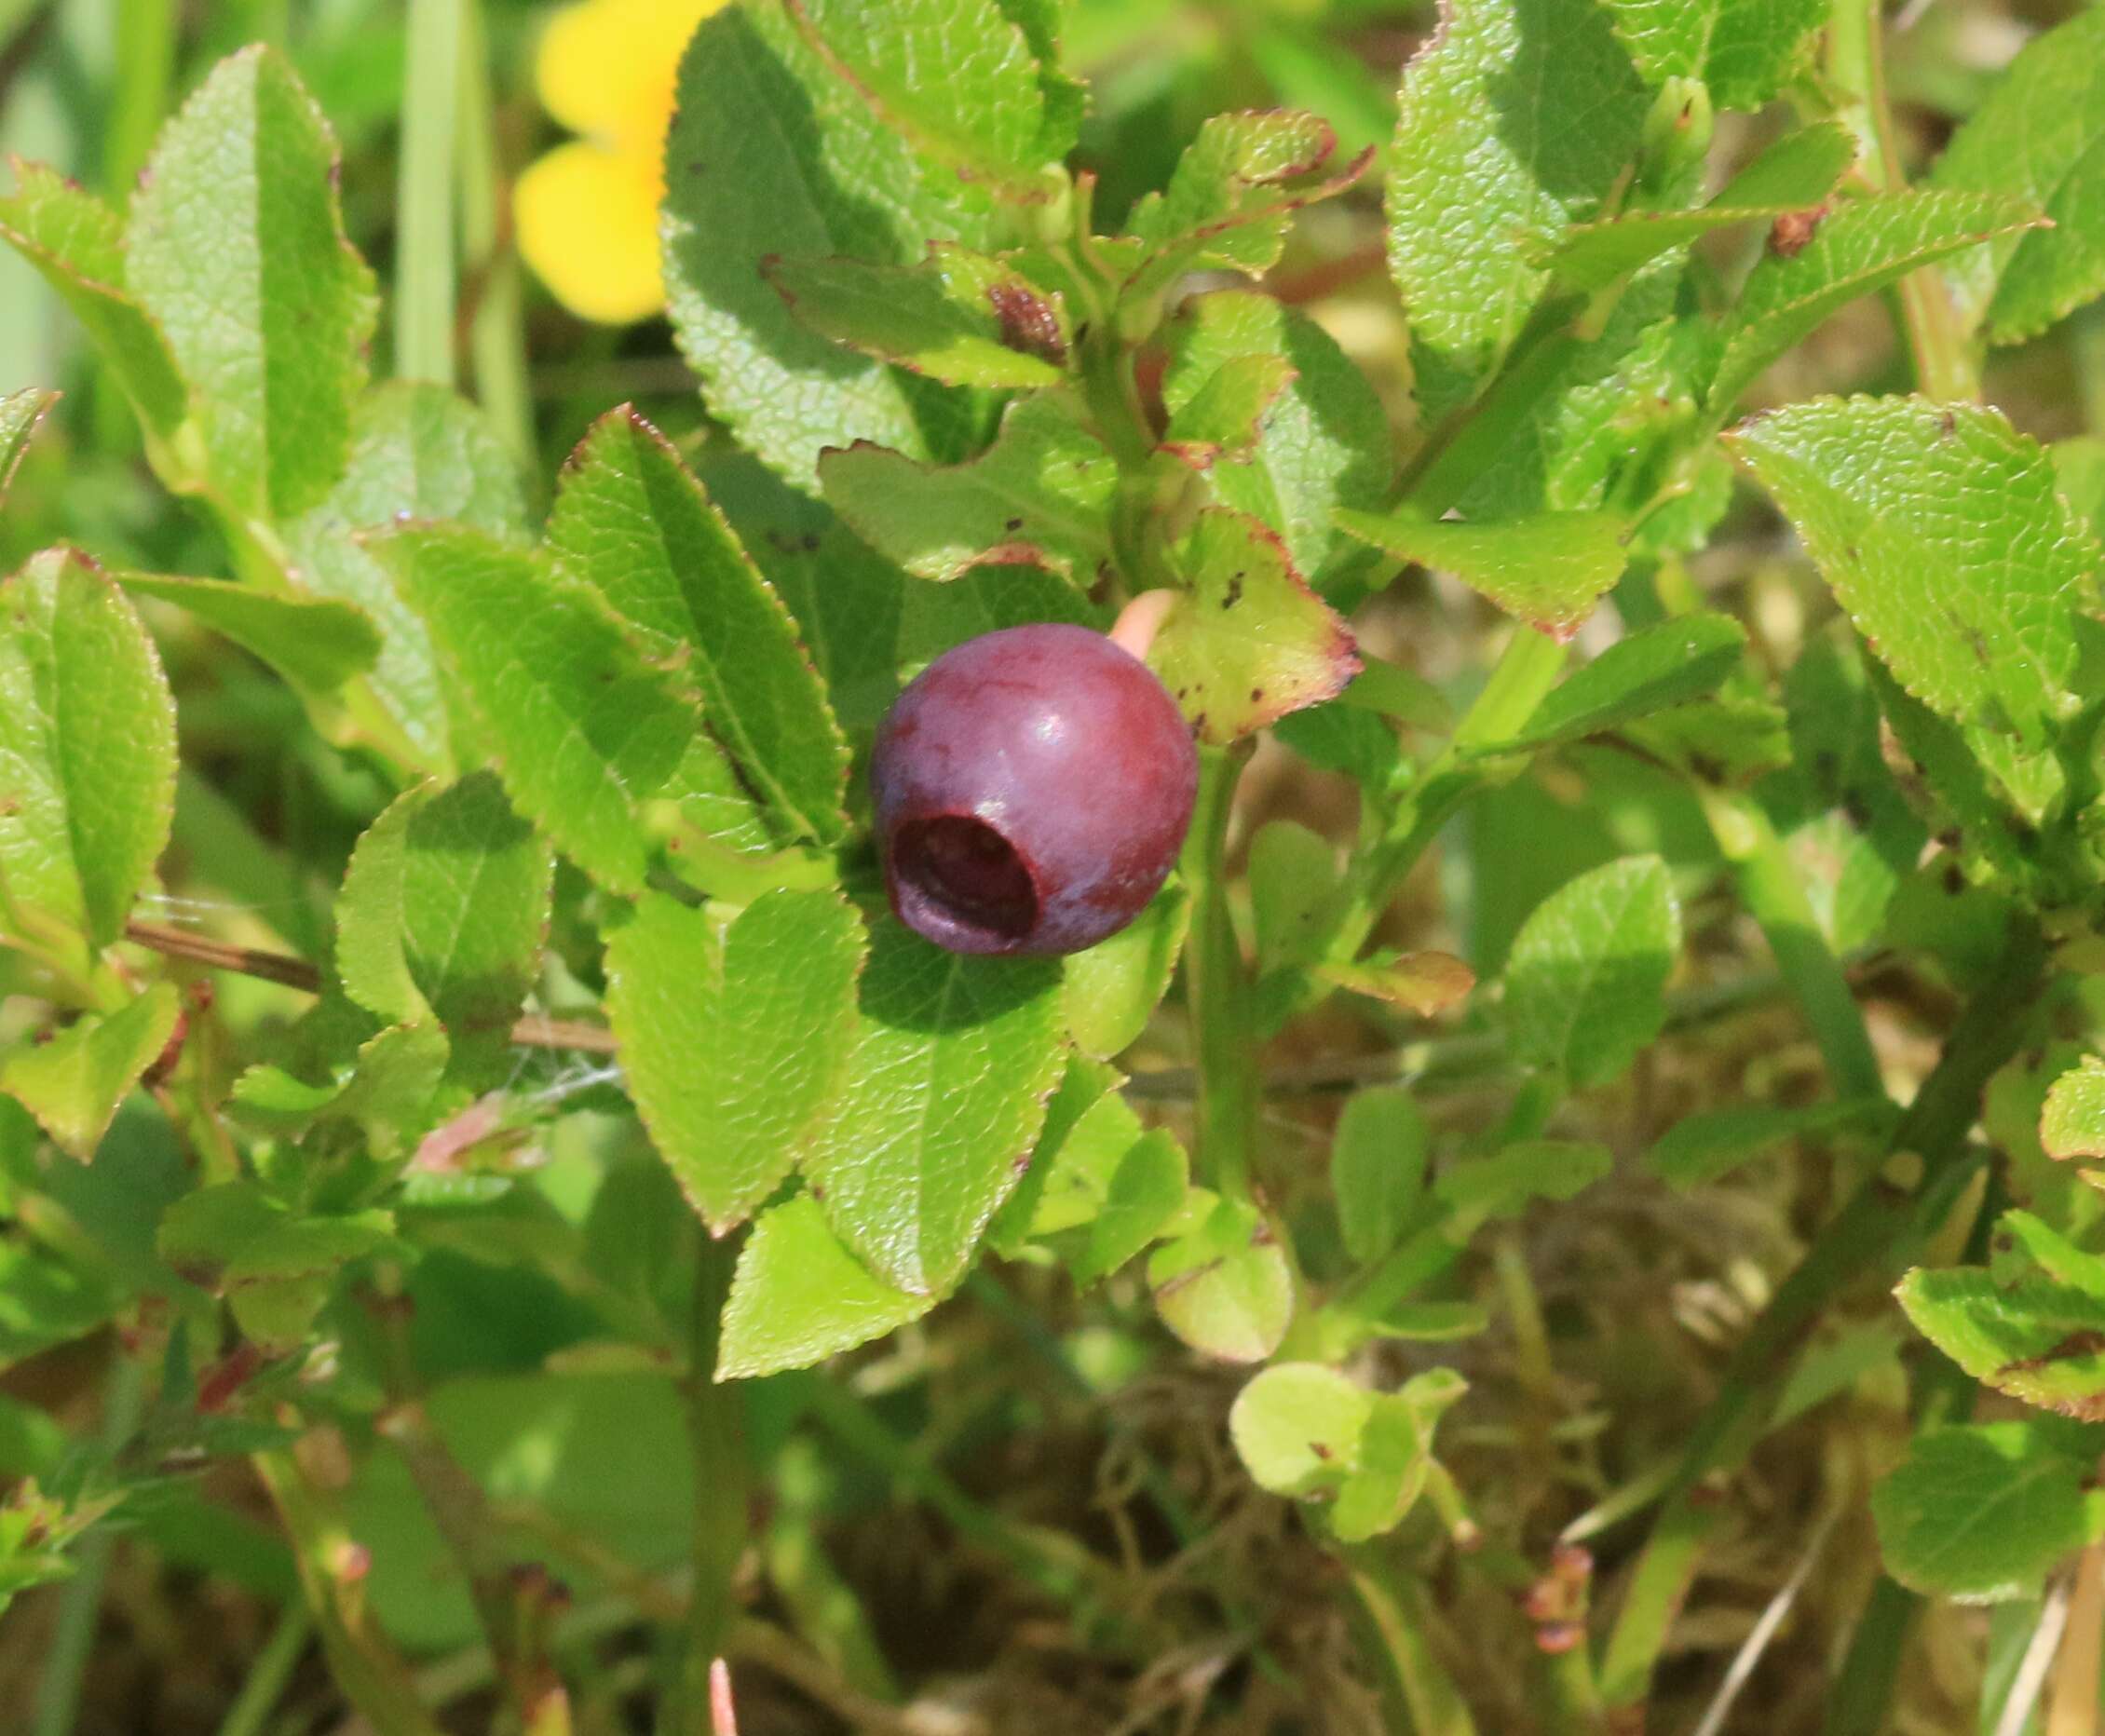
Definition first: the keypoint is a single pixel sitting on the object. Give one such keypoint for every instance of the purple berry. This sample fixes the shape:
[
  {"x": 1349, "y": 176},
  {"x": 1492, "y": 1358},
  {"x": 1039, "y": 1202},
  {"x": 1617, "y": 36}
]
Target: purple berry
[{"x": 1033, "y": 786}]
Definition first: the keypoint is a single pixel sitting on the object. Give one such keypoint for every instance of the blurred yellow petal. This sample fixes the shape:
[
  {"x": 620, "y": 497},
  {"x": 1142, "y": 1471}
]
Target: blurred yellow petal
[
  {"x": 607, "y": 68},
  {"x": 587, "y": 225}
]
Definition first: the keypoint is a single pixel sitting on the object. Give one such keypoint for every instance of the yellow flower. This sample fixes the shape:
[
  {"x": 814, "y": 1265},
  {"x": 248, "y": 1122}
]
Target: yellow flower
[{"x": 588, "y": 210}]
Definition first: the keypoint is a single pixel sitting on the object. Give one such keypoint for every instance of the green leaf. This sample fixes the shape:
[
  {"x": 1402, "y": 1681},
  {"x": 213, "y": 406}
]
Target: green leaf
[
  {"x": 2073, "y": 1124},
  {"x": 1506, "y": 1183},
  {"x": 735, "y": 1035},
  {"x": 2022, "y": 1240},
  {"x": 1378, "y": 1160},
  {"x": 1113, "y": 987},
  {"x": 1744, "y": 51},
  {"x": 388, "y": 1091},
  {"x": 1548, "y": 570},
  {"x": 1087, "y": 1128},
  {"x": 1587, "y": 977},
  {"x": 275, "y": 1267},
  {"x": 87, "y": 752},
  {"x": 1222, "y": 417},
  {"x": 20, "y": 413},
  {"x": 1944, "y": 534},
  {"x": 1249, "y": 642},
  {"x": 74, "y": 1083},
  {"x": 586, "y": 730},
  {"x": 1794, "y": 174},
  {"x": 958, "y": 316},
  {"x": 237, "y": 247},
  {"x": 1395, "y": 1457},
  {"x": 441, "y": 918},
  {"x": 1861, "y": 246},
  {"x": 799, "y": 1296},
  {"x": 773, "y": 154},
  {"x": 1663, "y": 666},
  {"x": 317, "y": 646},
  {"x": 1983, "y": 1513},
  {"x": 1144, "y": 1193},
  {"x": 1703, "y": 1149},
  {"x": 946, "y": 1088},
  {"x": 1225, "y": 1289},
  {"x": 1041, "y": 495},
  {"x": 631, "y": 521},
  {"x": 1298, "y": 1427},
  {"x": 76, "y": 242},
  {"x": 418, "y": 451},
  {"x": 1515, "y": 119},
  {"x": 957, "y": 78},
  {"x": 1317, "y": 444},
  {"x": 1231, "y": 195},
  {"x": 2038, "y": 137},
  {"x": 2039, "y": 1341},
  {"x": 1293, "y": 874}
]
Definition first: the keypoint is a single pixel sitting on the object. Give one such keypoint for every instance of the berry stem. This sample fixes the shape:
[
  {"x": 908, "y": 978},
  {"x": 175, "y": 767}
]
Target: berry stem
[{"x": 1217, "y": 986}]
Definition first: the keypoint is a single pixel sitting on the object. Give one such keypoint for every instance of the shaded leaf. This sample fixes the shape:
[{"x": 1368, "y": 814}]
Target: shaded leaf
[
  {"x": 1983, "y": 1513},
  {"x": 1113, "y": 987},
  {"x": 1230, "y": 197},
  {"x": 1662, "y": 665},
  {"x": 317, "y": 646},
  {"x": 1040, "y": 496},
  {"x": 1506, "y": 1183},
  {"x": 418, "y": 451},
  {"x": 1861, "y": 246},
  {"x": 1794, "y": 174},
  {"x": 1515, "y": 119},
  {"x": 1744, "y": 50},
  {"x": 275, "y": 1267},
  {"x": 633, "y": 523},
  {"x": 735, "y": 1034},
  {"x": 74, "y": 1083},
  {"x": 1703, "y": 1149},
  {"x": 958, "y": 316},
  {"x": 441, "y": 918},
  {"x": 773, "y": 154},
  {"x": 1586, "y": 977},
  {"x": 2037, "y": 137},
  {"x": 1320, "y": 440},
  {"x": 1377, "y": 1159},
  {"x": 1144, "y": 1193},
  {"x": 587, "y": 732},
  {"x": 959, "y": 78}
]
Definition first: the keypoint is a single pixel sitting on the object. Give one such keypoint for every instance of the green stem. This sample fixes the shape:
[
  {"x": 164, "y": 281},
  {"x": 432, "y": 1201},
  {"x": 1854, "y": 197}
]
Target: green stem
[
  {"x": 80, "y": 1605},
  {"x": 1393, "y": 1610},
  {"x": 145, "y": 76},
  {"x": 497, "y": 332},
  {"x": 716, "y": 1422},
  {"x": 424, "y": 263},
  {"x": 1217, "y": 983},
  {"x": 367, "y": 1669},
  {"x": 1946, "y": 366},
  {"x": 269, "y": 1675},
  {"x": 1866, "y": 1236},
  {"x": 1772, "y": 894}
]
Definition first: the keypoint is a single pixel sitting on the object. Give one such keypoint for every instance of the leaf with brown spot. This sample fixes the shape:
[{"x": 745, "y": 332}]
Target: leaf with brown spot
[{"x": 1249, "y": 626}]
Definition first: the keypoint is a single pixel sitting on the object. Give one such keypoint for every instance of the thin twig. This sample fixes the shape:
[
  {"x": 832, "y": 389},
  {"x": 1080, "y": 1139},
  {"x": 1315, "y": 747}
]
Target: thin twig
[{"x": 532, "y": 1032}]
